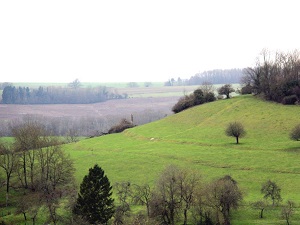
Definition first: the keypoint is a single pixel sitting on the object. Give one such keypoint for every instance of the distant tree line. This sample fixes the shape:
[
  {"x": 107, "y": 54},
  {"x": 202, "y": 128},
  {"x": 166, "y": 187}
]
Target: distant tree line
[
  {"x": 218, "y": 76},
  {"x": 276, "y": 77},
  {"x": 57, "y": 95}
]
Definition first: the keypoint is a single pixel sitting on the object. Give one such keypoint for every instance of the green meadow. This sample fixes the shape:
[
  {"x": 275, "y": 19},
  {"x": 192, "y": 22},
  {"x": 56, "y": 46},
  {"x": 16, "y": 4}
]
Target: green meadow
[{"x": 195, "y": 139}]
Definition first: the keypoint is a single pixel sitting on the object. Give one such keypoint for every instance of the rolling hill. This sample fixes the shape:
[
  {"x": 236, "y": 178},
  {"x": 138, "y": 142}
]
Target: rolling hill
[{"x": 195, "y": 139}]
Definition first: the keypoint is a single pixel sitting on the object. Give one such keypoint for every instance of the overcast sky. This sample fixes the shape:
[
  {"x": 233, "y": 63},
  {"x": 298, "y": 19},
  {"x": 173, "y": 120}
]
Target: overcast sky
[{"x": 126, "y": 40}]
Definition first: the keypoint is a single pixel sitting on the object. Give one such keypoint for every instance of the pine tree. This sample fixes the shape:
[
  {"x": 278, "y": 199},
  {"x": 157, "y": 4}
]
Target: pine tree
[{"x": 94, "y": 202}]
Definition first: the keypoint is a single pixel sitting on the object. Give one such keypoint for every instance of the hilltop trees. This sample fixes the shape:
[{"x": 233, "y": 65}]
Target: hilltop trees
[
  {"x": 94, "y": 202},
  {"x": 235, "y": 129},
  {"x": 196, "y": 98},
  {"x": 275, "y": 76},
  {"x": 226, "y": 90}
]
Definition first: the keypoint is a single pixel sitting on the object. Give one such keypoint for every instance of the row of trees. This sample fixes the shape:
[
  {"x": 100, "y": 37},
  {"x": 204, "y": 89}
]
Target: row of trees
[
  {"x": 205, "y": 93},
  {"x": 200, "y": 96},
  {"x": 179, "y": 197},
  {"x": 178, "y": 193},
  {"x": 57, "y": 95},
  {"x": 275, "y": 76}
]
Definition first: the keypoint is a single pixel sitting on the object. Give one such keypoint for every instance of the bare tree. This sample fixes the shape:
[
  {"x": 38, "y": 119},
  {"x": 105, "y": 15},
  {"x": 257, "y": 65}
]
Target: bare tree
[
  {"x": 288, "y": 211},
  {"x": 8, "y": 161},
  {"x": 224, "y": 195},
  {"x": 260, "y": 205},
  {"x": 142, "y": 195},
  {"x": 188, "y": 181},
  {"x": 75, "y": 84},
  {"x": 207, "y": 87},
  {"x": 271, "y": 190},
  {"x": 28, "y": 136},
  {"x": 166, "y": 200}
]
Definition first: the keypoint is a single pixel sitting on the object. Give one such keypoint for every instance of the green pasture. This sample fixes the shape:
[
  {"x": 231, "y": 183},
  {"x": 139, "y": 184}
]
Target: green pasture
[{"x": 195, "y": 139}]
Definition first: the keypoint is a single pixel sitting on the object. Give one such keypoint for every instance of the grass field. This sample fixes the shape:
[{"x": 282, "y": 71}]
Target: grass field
[{"x": 195, "y": 139}]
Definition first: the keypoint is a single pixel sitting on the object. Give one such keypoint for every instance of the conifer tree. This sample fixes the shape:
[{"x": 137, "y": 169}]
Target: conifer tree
[{"x": 94, "y": 202}]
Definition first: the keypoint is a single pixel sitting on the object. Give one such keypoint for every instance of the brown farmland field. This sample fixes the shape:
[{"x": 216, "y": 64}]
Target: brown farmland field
[
  {"x": 146, "y": 104},
  {"x": 108, "y": 108}
]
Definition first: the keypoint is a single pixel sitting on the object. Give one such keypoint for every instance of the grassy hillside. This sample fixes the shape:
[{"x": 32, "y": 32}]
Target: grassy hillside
[{"x": 195, "y": 139}]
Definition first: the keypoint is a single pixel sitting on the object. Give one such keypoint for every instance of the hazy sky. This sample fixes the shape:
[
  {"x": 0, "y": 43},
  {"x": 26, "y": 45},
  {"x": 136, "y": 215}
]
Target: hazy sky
[{"x": 125, "y": 40}]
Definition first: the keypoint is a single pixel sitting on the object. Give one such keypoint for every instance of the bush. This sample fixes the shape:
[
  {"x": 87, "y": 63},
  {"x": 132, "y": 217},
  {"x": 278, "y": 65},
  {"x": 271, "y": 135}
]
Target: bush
[
  {"x": 290, "y": 100},
  {"x": 209, "y": 97},
  {"x": 183, "y": 103},
  {"x": 123, "y": 125},
  {"x": 196, "y": 98},
  {"x": 295, "y": 133},
  {"x": 246, "y": 90}
]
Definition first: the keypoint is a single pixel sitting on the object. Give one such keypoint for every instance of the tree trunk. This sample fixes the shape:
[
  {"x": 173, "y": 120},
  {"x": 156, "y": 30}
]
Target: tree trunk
[
  {"x": 185, "y": 217},
  {"x": 261, "y": 213},
  {"x": 237, "y": 139}
]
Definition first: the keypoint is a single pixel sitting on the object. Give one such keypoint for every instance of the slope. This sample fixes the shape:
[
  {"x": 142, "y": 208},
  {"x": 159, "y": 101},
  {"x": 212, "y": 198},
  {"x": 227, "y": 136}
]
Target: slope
[{"x": 195, "y": 139}]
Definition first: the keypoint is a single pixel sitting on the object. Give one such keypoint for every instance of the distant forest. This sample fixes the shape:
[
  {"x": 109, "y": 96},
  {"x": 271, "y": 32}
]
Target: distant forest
[
  {"x": 57, "y": 95},
  {"x": 218, "y": 76}
]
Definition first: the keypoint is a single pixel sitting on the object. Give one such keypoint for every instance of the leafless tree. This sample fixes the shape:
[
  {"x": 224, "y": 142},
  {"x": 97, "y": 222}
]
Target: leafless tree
[
  {"x": 288, "y": 211},
  {"x": 142, "y": 195},
  {"x": 8, "y": 161},
  {"x": 224, "y": 195}
]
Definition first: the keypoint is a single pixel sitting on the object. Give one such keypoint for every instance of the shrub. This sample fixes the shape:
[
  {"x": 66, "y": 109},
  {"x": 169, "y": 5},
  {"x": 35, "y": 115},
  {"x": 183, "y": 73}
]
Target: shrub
[
  {"x": 183, "y": 103},
  {"x": 198, "y": 97},
  {"x": 209, "y": 97},
  {"x": 295, "y": 133},
  {"x": 290, "y": 100},
  {"x": 123, "y": 125},
  {"x": 246, "y": 90}
]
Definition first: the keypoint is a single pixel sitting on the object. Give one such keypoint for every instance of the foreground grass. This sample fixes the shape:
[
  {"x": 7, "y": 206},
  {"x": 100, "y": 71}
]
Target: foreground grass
[{"x": 195, "y": 139}]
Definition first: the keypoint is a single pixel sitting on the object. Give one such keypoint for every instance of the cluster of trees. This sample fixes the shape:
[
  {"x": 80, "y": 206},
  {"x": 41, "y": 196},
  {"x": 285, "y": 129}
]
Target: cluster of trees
[
  {"x": 200, "y": 96},
  {"x": 205, "y": 93},
  {"x": 275, "y": 76},
  {"x": 228, "y": 76},
  {"x": 40, "y": 174},
  {"x": 57, "y": 95},
  {"x": 179, "y": 196}
]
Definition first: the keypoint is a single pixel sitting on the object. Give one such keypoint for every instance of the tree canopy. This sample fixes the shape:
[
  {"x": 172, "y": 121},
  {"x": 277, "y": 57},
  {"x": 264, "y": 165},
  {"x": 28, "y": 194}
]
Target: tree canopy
[{"x": 94, "y": 202}]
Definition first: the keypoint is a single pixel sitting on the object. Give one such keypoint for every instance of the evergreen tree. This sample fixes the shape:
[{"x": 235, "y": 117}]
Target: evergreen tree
[{"x": 94, "y": 202}]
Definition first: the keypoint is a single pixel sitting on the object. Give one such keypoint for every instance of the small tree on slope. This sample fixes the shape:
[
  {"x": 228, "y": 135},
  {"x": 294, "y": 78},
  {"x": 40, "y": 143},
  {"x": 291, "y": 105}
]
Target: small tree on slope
[
  {"x": 94, "y": 202},
  {"x": 235, "y": 129}
]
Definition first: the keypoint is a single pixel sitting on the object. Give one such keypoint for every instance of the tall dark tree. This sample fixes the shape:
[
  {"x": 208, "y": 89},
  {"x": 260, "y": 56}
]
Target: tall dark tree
[{"x": 94, "y": 202}]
